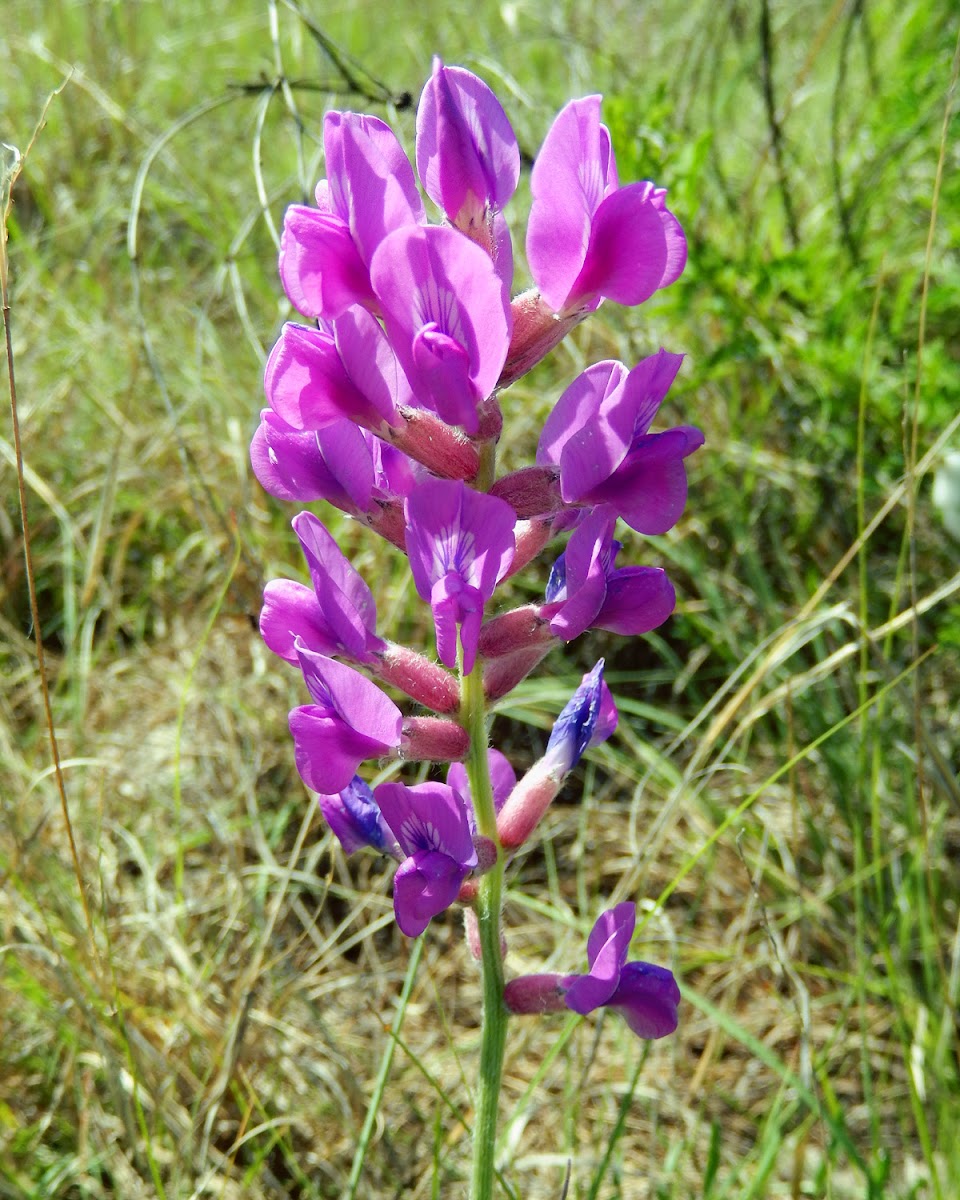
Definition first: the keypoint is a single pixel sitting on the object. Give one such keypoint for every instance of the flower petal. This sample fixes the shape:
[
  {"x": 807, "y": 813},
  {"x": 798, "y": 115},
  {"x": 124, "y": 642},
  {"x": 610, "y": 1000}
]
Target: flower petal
[
  {"x": 647, "y": 997},
  {"x": 290, "y": 610},
  {"x": 425, "y": 884}
]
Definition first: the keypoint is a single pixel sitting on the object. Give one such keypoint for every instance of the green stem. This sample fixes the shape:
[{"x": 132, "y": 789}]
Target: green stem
[{"x": 489, "y": 902}]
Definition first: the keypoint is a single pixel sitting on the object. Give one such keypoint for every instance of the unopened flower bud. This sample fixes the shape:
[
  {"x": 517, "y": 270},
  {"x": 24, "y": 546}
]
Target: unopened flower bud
[
  {"x": 531, "y": 537},
  {"x": 501, "y": 675},
  {"x": 527, "y": 803},
  {"x": 441, "y": 448},
  {"x": 472, "y": 928},
  {"x": 534, "y": 994},
  {"x": 530, "y": 492},
  {"x": 430, "y": 739},
  {"x": 536, "y": 330},
  {"x": 420, "y": 678},
  {"x": 520, "y": 629},
  {"x": 589, "y": 717}
]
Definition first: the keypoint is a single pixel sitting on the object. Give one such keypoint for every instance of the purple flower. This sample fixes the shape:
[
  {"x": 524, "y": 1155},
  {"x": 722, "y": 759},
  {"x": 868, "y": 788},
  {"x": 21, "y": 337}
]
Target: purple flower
[
  {"x": 597, "y": 436},
  {"x": 586, "y": 591},
  {"x": 647, "y": 996},
  {"x": 315, "y": 377},
  {"x": 337, "y": 616},
  {"x": 432, "y": 825},
  {"x": 370, "y": 190},
  {"x": 588, "y": 237},
  {"x": 349, "y": 721},
  {"x": 467, "y": 154},
  {"x": 342, "y": 464},
  {"x": 588, "y": 718},
  {"x": 447, "y": 316},
  {"x": 355, "y": 818},
  {"x": 460, "y": 544}
]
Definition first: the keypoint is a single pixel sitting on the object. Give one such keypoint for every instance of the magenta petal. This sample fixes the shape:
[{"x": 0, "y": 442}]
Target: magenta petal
[
  {"x": 676, "y": 248},
  {"x": 452, "y": 528},
  {"x": 442, "y": 367},
  {"x": 587, "y": 992},
  {"x": 290, "y": 611},
  {"x": 357, "y": 703},
  {"x": 647, "y": 998},
  {"x": 503, "y": 778},
  {"x": 371, "y": 364},
  {"x": 467, "y": 154},
  {"x": 424, "y": 885},
  {"x": 597, "y": 446},
  {"x": 306, "y": 384},
  {"x": 607, "y": 719},
  {"x": 569, "y": 179},
  {"x": 638, "y": 599},
  {"x": 327, "y": 750},
  {"x": 296, "y": 464},
  {"x": 650, "y": 489},
  {"x": 585, "y": 565},
  {"x": 428, "y": 816},
  {"x": 320, "y": 268},
  {"x": 432, "y": 277},
  {"x": 346, "y": 602},
  {"x": 446, "y": 616},
  {"x": 607, "y": 949},
  {"x": 627, "y": 254},
  {"x": 611, "y": 934},
  {"x": 371, "y": 183}
]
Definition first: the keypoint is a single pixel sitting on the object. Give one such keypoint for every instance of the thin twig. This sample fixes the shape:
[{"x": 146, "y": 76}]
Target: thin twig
[
  {"x": 9, "y": 178},
  {"x": 776, "y": 131}
]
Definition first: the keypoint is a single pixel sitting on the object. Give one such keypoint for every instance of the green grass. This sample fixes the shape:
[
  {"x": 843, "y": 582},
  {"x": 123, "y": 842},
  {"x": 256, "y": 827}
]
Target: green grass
[{"x": 781, "y": 798}]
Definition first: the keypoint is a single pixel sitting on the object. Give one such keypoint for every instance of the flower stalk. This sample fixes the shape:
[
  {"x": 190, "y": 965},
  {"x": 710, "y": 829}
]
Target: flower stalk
[{"x": 389, "y": 404}]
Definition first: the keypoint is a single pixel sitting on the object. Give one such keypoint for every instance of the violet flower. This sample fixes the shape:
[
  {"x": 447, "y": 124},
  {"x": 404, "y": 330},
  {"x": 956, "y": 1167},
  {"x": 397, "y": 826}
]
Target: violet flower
[
  {"x": 315, "y": 377},
  {"x": 337, "y": 616},
  {"x": 340, "y": 463},
  {"x": 588, "y": 718},
  {"x": 467, "y": 153},
  {"x": 468, "y": 159},
  {"x": 597, "y": 436},
  {"x": 460, "y": 544},
  {"x": 503, "y": 779},
  {"x": 370, "y": 190},
  {"x": 349, "y": 721},
  {"x": 589, "y": 238},
  {"x": 645, "y": 995},
  {"x": 447, "y": 317},
  {"x": 587, "y": 591},
  {"x": 432, "y": 826},
  {"x": 355, "y": 818}
]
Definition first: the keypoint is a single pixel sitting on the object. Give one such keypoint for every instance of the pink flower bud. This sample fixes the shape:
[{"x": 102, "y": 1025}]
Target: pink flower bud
[
  {"x": 502, "y": 675},
  {"x": 530, "y": 492},
  {"x": 534, "y": 994},
  {"x": 531, "y": 537},
  {"x": 527, "y": 803},
  {"x": 519, "y": 629},
  {"x": 536, "y": 330},
  {"x": 472, "y": 926},
  {"x": 486, "y": 853},
  {"x": 441, "y": 448},
  {"x": 420, "y": 678},
  {"x": 430, "y": 739}
]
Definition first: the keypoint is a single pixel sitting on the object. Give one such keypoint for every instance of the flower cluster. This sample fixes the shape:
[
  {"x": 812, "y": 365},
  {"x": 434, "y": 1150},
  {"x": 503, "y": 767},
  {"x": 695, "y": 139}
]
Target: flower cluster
[{"x": 386, "y": 402}]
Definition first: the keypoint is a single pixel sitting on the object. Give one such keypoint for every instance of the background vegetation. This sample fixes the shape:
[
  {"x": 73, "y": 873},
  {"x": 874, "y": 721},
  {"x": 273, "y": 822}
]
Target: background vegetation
[{"x": 196, "y": 1001}]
